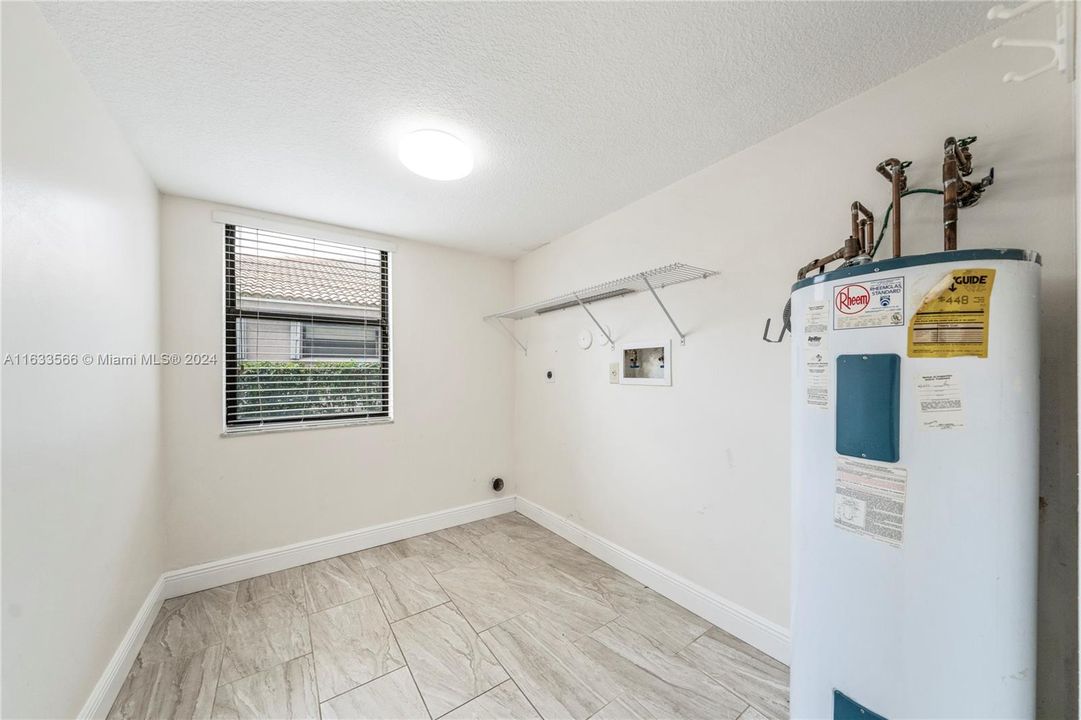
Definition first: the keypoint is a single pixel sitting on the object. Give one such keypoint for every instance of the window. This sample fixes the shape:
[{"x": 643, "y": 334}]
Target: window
[{"x": 307, "y": 330}]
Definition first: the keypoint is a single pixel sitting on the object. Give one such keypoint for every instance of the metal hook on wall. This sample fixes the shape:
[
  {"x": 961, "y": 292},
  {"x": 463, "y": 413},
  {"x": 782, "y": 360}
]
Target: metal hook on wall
[{"x": 786, "y": 318}]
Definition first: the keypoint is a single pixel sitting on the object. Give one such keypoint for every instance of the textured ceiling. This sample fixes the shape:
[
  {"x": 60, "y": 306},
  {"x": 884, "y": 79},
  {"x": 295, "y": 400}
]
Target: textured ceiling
[{"x": 573, "y": 109}]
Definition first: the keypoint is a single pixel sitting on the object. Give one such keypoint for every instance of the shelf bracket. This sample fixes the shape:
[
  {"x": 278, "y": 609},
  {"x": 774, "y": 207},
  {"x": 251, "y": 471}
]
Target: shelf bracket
[
  {"x": 600, "y": 327},
  {"x": 511, "y": 335},
  {"x": 682, "y": 337},
  {"x": 1061, "y": 47}
]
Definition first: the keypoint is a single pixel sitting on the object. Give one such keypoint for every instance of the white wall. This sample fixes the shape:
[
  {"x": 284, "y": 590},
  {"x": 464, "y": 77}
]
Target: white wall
[
  {"x": 82, "y": 511},
  {"x": 453, "y": 400},
  {"x": 695, "y": 477}
]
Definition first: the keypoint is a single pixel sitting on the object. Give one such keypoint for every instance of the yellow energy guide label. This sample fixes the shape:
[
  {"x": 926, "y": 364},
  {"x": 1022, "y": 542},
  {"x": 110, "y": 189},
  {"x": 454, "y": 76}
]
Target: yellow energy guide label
[{"x": 954, "y": 318}]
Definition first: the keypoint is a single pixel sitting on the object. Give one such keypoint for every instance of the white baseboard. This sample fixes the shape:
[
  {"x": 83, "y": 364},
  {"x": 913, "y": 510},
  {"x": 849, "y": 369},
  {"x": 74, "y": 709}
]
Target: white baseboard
[
  {"x": 766, "y": 635},
  {"x": 110, "y": 682},
  {"x": 242, "y": 567}
]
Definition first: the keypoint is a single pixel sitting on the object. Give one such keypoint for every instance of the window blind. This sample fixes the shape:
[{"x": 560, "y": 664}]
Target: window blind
[{"x": 307, "y": 330}]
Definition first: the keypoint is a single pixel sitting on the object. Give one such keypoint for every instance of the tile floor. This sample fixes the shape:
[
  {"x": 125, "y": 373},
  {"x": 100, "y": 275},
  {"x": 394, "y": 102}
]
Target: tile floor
[{"x": 497, "y": 620}]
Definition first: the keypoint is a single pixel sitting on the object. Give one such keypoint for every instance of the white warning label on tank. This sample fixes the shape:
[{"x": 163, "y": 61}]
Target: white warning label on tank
[
  {"x": 869, "y": 499},
  {"x": 869, "y": 303},
  {"x": 940, "y": 405},
  {"x": 816, "y": 358}
]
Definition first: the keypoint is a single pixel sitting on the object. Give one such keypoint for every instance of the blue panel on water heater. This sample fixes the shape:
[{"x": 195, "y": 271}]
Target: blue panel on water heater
[
  {"x": 868, "y": 406},
  {"x": 845, "y": 708}
]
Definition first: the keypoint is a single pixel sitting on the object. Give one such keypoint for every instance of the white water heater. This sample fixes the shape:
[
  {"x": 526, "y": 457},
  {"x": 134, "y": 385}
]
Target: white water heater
[{"x": 915, "y": 443}]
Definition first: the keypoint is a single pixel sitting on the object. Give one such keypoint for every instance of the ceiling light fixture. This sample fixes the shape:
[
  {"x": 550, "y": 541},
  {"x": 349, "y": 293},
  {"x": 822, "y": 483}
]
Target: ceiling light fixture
[{"x": 436, "y": 155}]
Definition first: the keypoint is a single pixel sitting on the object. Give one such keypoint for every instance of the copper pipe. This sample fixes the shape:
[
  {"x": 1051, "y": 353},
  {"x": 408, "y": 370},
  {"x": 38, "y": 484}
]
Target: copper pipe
[
  {"x": 855, "y": 244},
  {"x": 866, "y": 239},
  {"x": 951, "y": 177},
  {"x": 894, "y": 170},
  {"x": 852, "y": 247},
  {"x": 821, "y": 263},
  {"x": 896, "y": 204},
  {"x": 956, "y": 191}
]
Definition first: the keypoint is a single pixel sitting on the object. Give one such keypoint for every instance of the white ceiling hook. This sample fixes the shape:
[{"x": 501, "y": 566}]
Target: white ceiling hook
[
  {"x": 1060, "y": 47},
  {"x": 999, "y": 12},
  {"x": 1056, "y": 62}
]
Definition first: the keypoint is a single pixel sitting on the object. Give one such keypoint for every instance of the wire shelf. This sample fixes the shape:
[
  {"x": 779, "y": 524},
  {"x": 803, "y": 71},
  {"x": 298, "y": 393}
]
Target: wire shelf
[
  {"x": 657, "y": 277},
  {"x": 648, "y": 280}
]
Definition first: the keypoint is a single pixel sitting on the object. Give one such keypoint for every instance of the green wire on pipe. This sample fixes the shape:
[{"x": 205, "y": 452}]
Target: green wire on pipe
[{"x": 886, "y": 217}]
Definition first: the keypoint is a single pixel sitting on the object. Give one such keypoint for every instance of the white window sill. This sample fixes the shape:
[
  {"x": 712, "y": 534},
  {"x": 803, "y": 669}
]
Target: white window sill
[{"x": 292, "y": 427}]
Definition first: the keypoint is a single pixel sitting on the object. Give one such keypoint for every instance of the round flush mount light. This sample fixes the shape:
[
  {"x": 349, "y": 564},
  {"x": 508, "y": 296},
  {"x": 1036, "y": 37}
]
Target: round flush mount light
[{"x": 436, "y": 155}]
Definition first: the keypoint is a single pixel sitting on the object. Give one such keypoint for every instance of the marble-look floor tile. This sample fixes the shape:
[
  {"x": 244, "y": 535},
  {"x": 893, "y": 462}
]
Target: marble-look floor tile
[
  {"x": 613, "y": 589},
  {"x": 484, "y": 598},
  {"x": 448, "y": 560},
  {"x": 263, "y": 634},
  {"x": 419, "y": 545},
  {"x": 380, "y": 555},
  {"x": 504, "y": 702},
  {"x": 751, "y": 714},
  {"x": 621, "y": 592},
  {"x": 335, "y": 581},
  {"x": 463, "y": 539},
  {"x": 189, "y": 623},
  {"x": 275, "y": 645},
  {"x": 559, "y": 680},
  {"x": 667, "y": 625},
  {"x": 437, "y": 553},
  {"x": 491, "y": 562},
  {"x": 618, "y": 591},
  {"x": 570, "y": 605},
  {"x": 179, "y": 688},
  {"x": 405, "y": 588},
  {"x": 519, "y": 527},
  {"x": 558, "y": 547},
  {"x": 748, "y": 672},
  {"x": 284, "y": 692},
  {"x": 289, "y": 581},
  {"x": 515, "y": 557},
  {"x": 623, "y": 708},
  {"x": 479, "y": 528},
  {"x": 666, "y": 686},
  {"x": 352, "y": 644},
  {"x": 449, "y": 662},
  {"x": 391, "y": 697},
  {"x": 572, "y": 559},
  {"x": 224, "y": 707}
]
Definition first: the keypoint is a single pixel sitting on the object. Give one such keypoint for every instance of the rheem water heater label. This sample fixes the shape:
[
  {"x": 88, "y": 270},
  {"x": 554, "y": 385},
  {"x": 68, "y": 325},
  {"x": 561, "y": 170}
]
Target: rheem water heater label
[
  {"x": 869, "y": 303},
  {"x": 869, "y": 499}
]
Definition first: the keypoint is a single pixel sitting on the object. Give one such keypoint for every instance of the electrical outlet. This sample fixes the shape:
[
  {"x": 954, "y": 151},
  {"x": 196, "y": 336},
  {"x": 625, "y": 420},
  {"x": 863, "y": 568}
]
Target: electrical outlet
[
  {"x": 549, "y": 376},
  {"x": 613, "y": 373}
]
